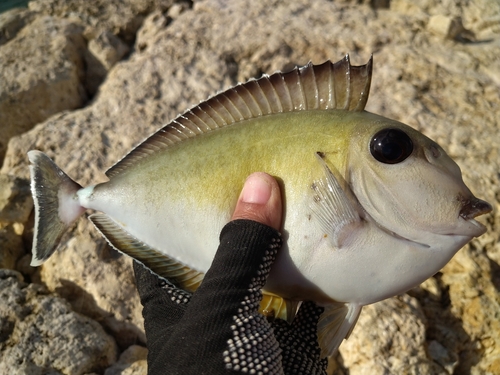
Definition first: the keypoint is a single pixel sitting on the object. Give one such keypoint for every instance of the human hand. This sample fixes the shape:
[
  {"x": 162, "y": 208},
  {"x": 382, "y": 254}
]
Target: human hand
[{"x": 218, "y": 329}]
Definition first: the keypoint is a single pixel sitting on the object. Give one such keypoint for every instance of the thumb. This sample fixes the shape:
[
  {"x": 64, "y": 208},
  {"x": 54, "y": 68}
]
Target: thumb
[{"x": 260, "y": 200}]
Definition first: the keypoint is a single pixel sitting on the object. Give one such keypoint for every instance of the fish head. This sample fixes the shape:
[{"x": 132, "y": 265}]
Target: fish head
[{"x": 409, "y": 185}]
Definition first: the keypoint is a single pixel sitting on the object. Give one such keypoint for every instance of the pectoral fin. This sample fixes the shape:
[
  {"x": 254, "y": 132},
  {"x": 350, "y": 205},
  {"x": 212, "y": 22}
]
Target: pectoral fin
[
  {"x": 175, "y": 272},
  {"x": 336, "y": 324},
  {"x": 334, "y": 206}
]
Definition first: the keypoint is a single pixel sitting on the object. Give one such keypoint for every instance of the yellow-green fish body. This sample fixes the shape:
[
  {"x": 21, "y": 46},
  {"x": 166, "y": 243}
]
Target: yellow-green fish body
[{"x": 372, "y": 207}]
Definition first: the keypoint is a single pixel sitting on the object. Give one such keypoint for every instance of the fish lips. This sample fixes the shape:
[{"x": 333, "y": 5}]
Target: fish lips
[{"x": 471, "y": 208}]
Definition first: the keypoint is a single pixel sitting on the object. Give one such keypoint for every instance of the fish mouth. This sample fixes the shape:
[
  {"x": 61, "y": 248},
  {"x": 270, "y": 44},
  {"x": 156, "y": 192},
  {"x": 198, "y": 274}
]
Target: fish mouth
[{"x": 472, "y": 208}]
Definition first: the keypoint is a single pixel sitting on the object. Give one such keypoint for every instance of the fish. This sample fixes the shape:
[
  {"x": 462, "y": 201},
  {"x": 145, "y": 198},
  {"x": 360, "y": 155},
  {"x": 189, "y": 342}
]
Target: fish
[{"x": 372, "y": 207}]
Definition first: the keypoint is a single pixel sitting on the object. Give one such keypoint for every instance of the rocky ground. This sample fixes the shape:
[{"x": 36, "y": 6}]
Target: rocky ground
[{"x": 86, "y": 81}]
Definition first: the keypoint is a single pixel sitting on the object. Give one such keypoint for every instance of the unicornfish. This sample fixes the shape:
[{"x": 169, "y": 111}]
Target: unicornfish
[{"x": 372, "y": 206}]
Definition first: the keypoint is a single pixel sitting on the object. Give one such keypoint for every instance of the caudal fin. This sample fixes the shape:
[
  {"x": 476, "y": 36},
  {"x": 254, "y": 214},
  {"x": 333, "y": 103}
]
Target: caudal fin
[{"x": 56, "y": 205}]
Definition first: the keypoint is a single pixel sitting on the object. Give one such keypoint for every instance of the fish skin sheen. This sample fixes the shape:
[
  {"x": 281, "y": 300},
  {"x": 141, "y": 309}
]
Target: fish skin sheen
[{"x": 372, "y": 207}]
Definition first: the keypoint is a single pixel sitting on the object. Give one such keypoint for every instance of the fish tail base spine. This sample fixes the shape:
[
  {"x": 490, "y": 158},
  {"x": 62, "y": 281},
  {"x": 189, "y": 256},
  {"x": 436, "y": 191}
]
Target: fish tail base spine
[{"x": 56, "y": 205}]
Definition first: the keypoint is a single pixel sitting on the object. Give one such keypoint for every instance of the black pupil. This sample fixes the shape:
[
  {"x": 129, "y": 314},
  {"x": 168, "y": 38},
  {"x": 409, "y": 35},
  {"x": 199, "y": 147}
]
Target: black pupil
[{"x": 391, "y": 146}]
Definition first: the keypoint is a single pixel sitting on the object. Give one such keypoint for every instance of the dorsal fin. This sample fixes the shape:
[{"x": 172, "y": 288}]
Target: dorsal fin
[{"x": 326, "y": 86}]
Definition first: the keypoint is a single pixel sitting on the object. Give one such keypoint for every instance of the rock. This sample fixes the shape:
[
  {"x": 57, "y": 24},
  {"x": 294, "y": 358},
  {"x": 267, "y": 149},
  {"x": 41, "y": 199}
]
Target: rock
[
  {"x": 11, "y": 247},
  {"x": 103, "y": 53},
  {"x": 445, "y": 88},
  {"x": 41, "y": 71},
  {"x": 105, "y": 291},
  {"x": 39, "y": 334},
  {"x": 122, "y": 17},
  {"x": 483, "y": 18},
  {"x": 133, "y": 361},
  {"x": 16, "y": 205},
  {"x": 108, "y": 49},
  {"x": 385, "y": 330},
  {"x": 12, "y": 21},
  {"x": 447, "y": 27},
  {"x": 176, "y": 9},
  {"x": 16, "y": 202}
]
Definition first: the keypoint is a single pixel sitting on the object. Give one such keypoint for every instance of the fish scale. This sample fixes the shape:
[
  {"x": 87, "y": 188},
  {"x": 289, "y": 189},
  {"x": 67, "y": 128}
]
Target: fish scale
[{"x": 372, "y": 206}]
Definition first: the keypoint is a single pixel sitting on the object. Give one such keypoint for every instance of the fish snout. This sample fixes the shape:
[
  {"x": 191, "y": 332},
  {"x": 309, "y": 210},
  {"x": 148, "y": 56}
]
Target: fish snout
[{"x": 474, "y": 207}]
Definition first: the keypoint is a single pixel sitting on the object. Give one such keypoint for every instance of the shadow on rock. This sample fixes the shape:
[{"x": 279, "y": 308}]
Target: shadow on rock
[{"x": 125, "y": 332}]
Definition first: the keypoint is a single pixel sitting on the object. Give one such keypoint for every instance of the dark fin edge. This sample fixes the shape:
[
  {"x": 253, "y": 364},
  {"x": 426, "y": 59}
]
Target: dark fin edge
[
  {"x": 173, "y": 271},
  {"x": 326, "y": 86},
  {"x": 162, "y": 265},
  {"x": 51, "y": 187}
]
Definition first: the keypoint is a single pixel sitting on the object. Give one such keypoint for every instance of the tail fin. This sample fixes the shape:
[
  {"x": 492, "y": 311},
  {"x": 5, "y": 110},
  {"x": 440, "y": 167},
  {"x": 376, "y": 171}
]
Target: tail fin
[{"x": 56, "y": 205}]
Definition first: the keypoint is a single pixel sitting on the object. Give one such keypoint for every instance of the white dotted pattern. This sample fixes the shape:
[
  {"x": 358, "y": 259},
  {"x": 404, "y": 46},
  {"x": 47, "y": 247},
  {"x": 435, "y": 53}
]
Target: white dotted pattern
[
  {"x": 176, "y": 295},
  {"x": 300, "y": 349},
  {"x": 253, "y": 348}
]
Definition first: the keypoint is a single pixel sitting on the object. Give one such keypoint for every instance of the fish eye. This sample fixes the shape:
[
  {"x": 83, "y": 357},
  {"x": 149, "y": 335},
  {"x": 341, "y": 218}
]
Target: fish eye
[{"x": 391, "y": 146}]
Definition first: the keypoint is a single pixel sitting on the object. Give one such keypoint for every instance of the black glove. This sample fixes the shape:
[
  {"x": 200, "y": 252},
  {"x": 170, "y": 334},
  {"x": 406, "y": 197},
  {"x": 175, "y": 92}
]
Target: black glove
[{"x": 218, "y": 329}]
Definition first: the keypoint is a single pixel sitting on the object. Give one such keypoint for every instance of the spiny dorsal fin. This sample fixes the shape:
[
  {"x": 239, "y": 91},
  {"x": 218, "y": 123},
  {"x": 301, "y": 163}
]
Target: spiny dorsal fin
[{"x": 326, "y": 86}]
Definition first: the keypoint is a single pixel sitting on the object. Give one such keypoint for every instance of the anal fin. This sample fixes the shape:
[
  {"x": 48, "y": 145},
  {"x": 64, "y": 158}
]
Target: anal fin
[
  {"x": 336, "y": 324},
  {"x": 161, "y": 264},
  {"x": 176, "y": 272}
]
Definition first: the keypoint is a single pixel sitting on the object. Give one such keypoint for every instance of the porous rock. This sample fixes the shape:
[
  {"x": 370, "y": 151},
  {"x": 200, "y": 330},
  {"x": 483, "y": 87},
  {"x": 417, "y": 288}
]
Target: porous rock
[
  {"x": 16, "y": 202},
  {"x": 16, "y": 205},
  {"x": 12, "y": 21},
  {"x": 448, "y": 89},
  {"x": 446, "y": 27},
  {"x": 40, "y": 334},
  {"x": 121, "y": 17},
  {"x": 104, "y": 51},
  {"x": 98, "y": 283},
  {"x": 11, "y": 247},
  {"x": 133, "y": 361},
  {"x": 41, "y": 73},
  {"x": 385, "y": 330}
]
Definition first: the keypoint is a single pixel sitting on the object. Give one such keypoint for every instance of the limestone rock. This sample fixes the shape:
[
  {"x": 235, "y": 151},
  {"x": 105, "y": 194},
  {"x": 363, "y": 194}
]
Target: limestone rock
[
  {"x": 447, "y": 27},
  {"x": 121, "y": 17},
  {"x": 41, "y": 71},
  {"x": 16, "y": 202},
  {"x": 97, "y": 282},
  {"x": 16, "y": 205},
  {"x": 384, "y": 331},
  {"x": 11, "y": 247},
  {"x": 39, "y": 333},
  {"x": 12, "y": 21},
  {"x": 133, "y": 361},
  {"x": 103, "y": 53}
]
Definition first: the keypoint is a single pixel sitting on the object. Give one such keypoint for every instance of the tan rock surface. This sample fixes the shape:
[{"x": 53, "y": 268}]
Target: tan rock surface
[
  {"x": 16, "y": 206},
  {"x": 122, "y": 17},
  {"x": 133, "y": 361},
  {"x": 12, "y": 21},
  {"x": 41, "y": 335},
  {"x": 448, "y": 89},
  {"x": 41, "y": 73}
]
